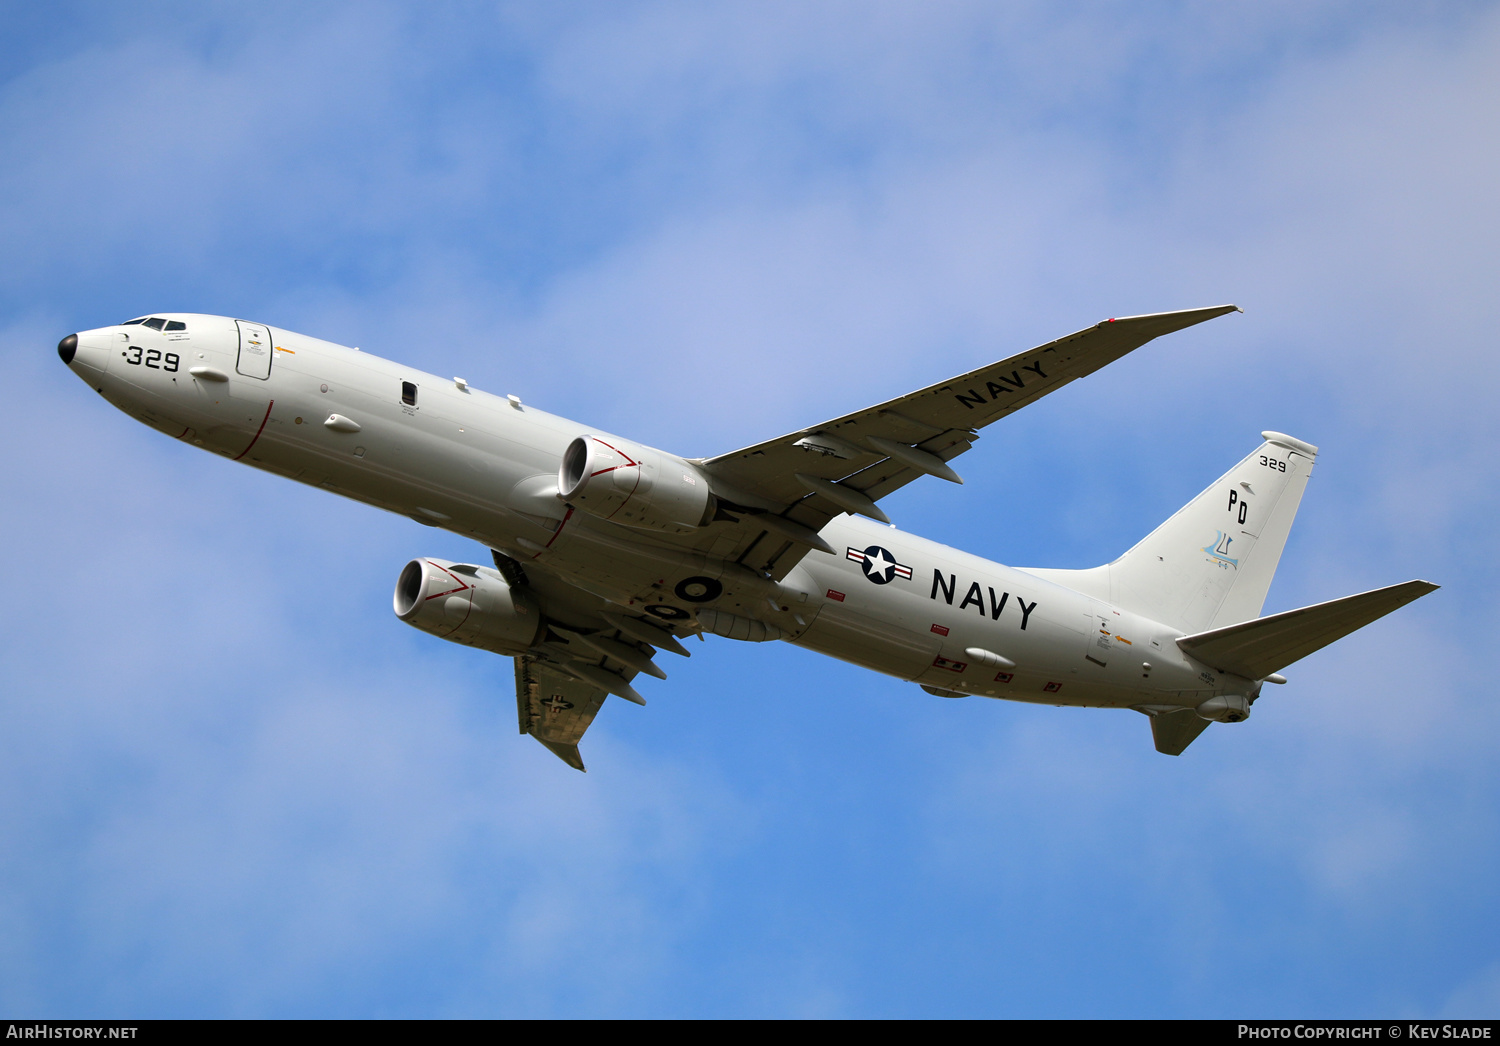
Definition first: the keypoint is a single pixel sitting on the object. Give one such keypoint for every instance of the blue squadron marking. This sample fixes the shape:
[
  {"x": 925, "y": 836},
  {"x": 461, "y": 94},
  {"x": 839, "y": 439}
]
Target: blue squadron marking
[
  {"x": 879, "y": 565},
  {"x": 1219, "y": 549}
]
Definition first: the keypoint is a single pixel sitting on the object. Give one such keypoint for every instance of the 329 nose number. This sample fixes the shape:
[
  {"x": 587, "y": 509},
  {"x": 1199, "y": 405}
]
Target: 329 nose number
[{"x": 153, "y": 358}]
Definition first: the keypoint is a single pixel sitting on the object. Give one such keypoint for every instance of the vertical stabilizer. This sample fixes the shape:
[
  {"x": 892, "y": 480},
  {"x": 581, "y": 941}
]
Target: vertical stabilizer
[{"x": 1211, "y": 564}]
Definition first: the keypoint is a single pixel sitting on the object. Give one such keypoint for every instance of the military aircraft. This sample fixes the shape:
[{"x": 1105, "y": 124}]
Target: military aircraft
[{"x": 604, "y": 551}]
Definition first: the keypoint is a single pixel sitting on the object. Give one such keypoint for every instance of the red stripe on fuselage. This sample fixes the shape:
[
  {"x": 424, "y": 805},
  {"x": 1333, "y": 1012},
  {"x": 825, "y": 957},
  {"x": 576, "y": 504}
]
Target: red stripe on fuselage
[{"x": 258, "y": 431}]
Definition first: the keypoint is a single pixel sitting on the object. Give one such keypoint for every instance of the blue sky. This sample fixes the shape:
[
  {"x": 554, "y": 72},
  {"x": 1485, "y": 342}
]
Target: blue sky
[{"x": 233, "y": 784}]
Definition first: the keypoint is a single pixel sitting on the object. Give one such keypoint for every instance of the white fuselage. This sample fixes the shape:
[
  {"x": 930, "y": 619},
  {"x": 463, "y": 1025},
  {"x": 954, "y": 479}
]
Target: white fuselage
[{"x": 486, "y": 467}]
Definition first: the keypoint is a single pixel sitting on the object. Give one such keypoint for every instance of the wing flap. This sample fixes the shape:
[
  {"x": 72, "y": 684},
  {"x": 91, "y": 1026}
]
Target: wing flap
[{"x": 1255, "y": 649}]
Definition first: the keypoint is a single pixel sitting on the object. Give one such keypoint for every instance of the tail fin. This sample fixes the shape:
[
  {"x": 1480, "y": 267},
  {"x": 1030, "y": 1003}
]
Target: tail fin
[
  {"x": 1211, "y": 564},
  {"x": 1174, "y": 731}
]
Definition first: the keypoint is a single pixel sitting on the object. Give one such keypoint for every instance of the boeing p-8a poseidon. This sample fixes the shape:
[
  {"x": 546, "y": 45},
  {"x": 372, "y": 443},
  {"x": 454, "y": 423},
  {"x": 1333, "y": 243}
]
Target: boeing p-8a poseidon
[{"x": 605, "y": 551}]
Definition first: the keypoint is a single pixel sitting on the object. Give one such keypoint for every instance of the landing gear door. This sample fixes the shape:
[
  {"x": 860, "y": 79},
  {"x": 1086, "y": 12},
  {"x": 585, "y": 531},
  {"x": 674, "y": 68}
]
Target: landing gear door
[{"x": 255, "y": 350}]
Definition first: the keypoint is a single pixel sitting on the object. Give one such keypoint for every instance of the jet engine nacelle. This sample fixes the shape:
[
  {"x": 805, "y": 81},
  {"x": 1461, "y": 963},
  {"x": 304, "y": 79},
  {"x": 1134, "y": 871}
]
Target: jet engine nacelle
[
  {"x": 634, "y": 485},
  {"x": 467, "y": 604}
]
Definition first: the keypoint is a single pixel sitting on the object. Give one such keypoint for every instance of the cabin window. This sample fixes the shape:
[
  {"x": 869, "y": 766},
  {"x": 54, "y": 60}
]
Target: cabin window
[{"x": 408, "y": 394}]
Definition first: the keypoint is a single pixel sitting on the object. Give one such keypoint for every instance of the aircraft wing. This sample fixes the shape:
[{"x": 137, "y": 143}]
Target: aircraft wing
[
  {"x": 563, "y": 681},
  {"x": 554, "y": 707},
  {"x": 847, "y": 464}
]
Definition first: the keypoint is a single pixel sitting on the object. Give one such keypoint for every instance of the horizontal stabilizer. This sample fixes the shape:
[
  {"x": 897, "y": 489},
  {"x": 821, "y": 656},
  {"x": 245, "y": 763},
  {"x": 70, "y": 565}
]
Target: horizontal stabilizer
[
  {"x": 1174, "y": 731},
  {"x": 1255, "y": 649}
]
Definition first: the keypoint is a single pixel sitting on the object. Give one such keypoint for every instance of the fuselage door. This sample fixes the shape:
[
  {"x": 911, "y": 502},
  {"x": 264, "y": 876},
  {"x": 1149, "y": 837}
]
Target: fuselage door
[
  {"x": 1099, "y": 641},
  {"x": 255, "y": 350}
]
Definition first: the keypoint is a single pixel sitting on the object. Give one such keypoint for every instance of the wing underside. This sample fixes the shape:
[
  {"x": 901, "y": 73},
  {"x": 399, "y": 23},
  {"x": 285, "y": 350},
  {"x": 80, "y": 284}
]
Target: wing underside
[
  {"x": 554, "y": 707},
  {"x": 562, "y": 681}
]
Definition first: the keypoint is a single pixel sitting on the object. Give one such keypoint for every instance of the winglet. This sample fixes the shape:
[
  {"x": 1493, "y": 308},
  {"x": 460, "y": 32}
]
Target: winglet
[{"x": 1159, "y": 323}]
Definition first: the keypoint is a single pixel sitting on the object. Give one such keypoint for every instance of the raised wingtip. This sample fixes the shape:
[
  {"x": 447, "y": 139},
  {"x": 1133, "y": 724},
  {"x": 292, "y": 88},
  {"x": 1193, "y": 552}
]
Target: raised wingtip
[
  {"x": 567, "y": 753},
  {"x": 1412, "y": 590},
  {"x": 1168, "y": 322}
]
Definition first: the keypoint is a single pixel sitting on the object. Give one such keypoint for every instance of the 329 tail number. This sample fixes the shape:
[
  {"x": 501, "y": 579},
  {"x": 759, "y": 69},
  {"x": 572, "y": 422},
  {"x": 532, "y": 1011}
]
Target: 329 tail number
[{"x": 153, "y": 358}]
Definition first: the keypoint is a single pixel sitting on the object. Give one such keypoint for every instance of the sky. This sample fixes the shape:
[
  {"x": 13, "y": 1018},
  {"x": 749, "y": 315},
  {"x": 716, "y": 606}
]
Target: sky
[{"x": 233, "y": 784}]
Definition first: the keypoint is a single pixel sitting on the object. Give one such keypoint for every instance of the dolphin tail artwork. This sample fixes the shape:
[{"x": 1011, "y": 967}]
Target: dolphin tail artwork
[{"x": 1207, "y": 570}]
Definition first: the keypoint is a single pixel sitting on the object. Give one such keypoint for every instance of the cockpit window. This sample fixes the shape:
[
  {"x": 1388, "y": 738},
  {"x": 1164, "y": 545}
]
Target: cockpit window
[
  {"x": 138, "y": 319},
  {"x": 176, "y": 325},
  {"x": 408, "y": 394},
  {"x": 156, "y": 323}
]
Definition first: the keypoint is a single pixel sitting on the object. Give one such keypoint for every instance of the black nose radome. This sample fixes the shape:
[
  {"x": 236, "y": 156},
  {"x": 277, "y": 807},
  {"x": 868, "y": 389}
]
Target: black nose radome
[{"x": 67, "y": 347}]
